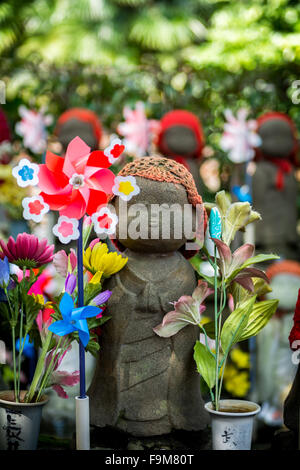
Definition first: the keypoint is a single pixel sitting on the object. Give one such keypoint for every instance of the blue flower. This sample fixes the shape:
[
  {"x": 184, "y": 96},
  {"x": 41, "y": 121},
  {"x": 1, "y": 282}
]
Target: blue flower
[
  {"x": 74, "y": 319},
  {"x": 26, "y": 173},
  {"x": 28, "y": 349},
  {"x": 242, "y": 193},
  {"x": 4, "y": 273}
]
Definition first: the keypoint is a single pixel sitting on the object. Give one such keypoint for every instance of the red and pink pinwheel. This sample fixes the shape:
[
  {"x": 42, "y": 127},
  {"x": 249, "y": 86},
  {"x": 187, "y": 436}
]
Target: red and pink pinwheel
[{"x": 77, "y": 184}]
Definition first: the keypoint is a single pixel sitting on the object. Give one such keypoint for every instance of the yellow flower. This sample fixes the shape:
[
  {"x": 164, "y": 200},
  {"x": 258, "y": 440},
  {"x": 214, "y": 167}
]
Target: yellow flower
[
  {"x": 237, "y": 383},
  {"x": 96, "y": 278},
  {"x": 99, "y": 259},
  {"x": 39, "y": 298},
  {"x": 241, "y": 358}
]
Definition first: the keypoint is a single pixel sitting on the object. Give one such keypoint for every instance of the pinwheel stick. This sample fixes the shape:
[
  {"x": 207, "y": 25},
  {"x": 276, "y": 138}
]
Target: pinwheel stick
[
  {"x": 81, "y": 304},
  {"x": 82, "y": 402}
]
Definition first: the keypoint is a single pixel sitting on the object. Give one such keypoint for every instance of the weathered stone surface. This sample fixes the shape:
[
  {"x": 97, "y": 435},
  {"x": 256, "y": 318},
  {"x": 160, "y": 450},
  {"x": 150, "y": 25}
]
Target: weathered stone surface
[{"x": 146, "y": 385}]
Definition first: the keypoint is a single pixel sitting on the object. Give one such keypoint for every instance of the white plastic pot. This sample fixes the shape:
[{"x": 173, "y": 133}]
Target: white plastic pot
[
  {"x": 232, "y": 426},
  {"x": 19, "y": 422}
]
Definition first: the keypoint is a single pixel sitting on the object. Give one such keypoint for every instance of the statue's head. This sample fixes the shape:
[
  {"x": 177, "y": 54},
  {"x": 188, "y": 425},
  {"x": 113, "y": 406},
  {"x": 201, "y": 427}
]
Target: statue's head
[
  {"x": 181, "y": 135},
  {"x": 279, "y": 137},
  {"x": 161, "y": 218},
  {"x": 79, "y": 122}
]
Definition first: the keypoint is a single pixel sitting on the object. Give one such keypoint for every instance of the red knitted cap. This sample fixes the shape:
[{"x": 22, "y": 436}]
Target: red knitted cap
[
  {"x": 284, "y": 117},
  {"x": 81, "y": 114},
  {"x": 181, "y": 117},
  {"x": 168, "y": 171}
]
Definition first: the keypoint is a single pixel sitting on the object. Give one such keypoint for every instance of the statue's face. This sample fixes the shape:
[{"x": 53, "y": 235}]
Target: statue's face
[
  {"x": 277, "y": 138},
  {"x": 180, "y": 140},
  {"x": 158, "y": 220},
  {"x": 73, "y": 128}
]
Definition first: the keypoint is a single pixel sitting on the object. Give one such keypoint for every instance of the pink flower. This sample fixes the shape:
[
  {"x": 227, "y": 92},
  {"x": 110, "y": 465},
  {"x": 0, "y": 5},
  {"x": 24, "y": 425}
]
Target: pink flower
[
  {"x": 60, "y": 262},
  {"x": 188, "y": 311},
  {"x": 59, "y": 378},
  {"x": 43, "y": 321},
  {"x": 27, "y": 251}
]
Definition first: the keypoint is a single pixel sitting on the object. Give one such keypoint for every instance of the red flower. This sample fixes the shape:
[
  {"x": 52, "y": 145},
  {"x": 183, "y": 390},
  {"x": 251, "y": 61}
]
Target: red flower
[
  {"x": 294, "y": 337},
  {"x": 78, "y": 183}
]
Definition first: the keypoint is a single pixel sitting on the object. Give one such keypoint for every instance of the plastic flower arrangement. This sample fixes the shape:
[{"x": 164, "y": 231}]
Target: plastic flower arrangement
[
  {"x": 52, "y": 326},
  {"x": 235, "y": 284}
]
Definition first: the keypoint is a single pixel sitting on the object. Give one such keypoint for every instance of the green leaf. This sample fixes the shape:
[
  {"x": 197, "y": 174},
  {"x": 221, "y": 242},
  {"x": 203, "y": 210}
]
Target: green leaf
[
  {"x": 259, "y": 317},
  {"x": 259, "y": 259},
  {"x": 235, "y": 324},
  {"x": 206, "y": 364}
]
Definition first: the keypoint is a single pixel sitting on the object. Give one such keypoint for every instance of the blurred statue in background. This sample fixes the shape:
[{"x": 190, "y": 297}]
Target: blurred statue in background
[
  {"x": 146, "y": 385},
  {"x": 181, "y": 138},
  {"x": 79, "y": 122},
  {"x": 275, "y": 188}
]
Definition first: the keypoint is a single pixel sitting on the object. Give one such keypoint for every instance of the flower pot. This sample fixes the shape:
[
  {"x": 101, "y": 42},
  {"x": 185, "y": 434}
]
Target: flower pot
[
  {"x": 232, "y": 424},
  {"x": 19, "y": 422}
]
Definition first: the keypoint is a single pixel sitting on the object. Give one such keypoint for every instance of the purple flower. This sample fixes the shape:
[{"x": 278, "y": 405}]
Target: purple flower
[
  {"x": 70, "y": 283},
  {"x": 102, "y": 297}
]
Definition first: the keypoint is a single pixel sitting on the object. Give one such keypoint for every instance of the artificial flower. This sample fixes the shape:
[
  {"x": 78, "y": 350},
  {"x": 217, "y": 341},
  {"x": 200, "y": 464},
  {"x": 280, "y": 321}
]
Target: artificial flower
[
  {"x": 70, "y": 283},
  {"x": 27, "y": 251},
  {"x": 215, "y": 223},
  {"x": 33, "y": 129},
  {"x": 105, "y": 221},
  {"x": 125, "y": 187},
  {"x": 137, "y": 130},
  {"x": 66, "y": 229},
  {"x": 237, "y": 383},
  {"x": 74, "y": 319},
  {"x": 240, "y": 137},
  {"x": 60, "y": 378},
  {"x": 96, "y": 278},
  {"x": 101, "y": 298},
  {"x": 99, "y": 259},
  {"x": 232, "y": 265},
  {"x": 187, "y": 311},
  {"x": 240, "y": 358},
  {"x": 64, "y": 263},
  {"x": 34, "y": 208},
  {"x": 26, "y": 173},
  {"x": 4, "y": 273},
  {"x": 115, "y": 149},
  {"x": 43, "y": 321},
  {"x": 78, "y": 183}
]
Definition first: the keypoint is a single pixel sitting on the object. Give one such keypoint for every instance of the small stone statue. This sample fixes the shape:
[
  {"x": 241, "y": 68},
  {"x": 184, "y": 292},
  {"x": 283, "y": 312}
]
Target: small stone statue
[
  {"x": 275, "y": 187},
  {"x": 146, "y": 385},
  {"x": 79, "y": 122},
  {"x": 181, "y": 138}
]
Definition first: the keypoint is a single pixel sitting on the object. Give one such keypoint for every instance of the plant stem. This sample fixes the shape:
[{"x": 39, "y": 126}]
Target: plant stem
[
  {"x": 216, "y": 329},
  {"x": 21, "y": 347},
  {"x": 39, "y": 368},
  {"x": 14, "y": 362},
  {"x": 49, "y": 370}
]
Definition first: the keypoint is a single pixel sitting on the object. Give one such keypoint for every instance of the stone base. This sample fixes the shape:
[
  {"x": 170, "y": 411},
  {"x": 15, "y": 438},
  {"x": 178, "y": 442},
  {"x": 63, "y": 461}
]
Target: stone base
[{"x": 112, "y": 439}]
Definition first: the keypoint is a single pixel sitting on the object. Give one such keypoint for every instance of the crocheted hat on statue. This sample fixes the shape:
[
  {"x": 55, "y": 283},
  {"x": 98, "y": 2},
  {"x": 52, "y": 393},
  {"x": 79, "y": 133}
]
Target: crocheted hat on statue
[
  {"x": 79, "y": 122},
  {"x": 187, "y": 140},
  {"x": 168, "y": 171}
]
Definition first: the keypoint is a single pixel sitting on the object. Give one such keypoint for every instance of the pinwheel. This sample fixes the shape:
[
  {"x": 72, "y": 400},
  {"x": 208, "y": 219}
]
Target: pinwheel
[
  {"x": 74, "y": 319},
  {"x": 137, "y": 130},
  {"x": 32, "y": 128},
  {"x": 239, "y": 140},
  {"x": 78, "y": 183}
]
